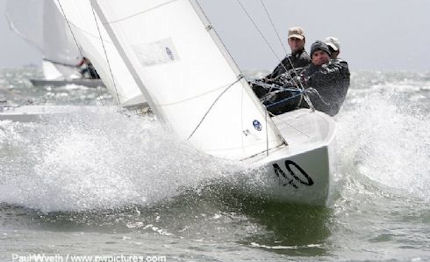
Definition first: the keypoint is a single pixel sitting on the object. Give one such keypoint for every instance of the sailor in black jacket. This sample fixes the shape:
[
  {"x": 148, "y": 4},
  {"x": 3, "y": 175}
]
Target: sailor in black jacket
[
  {"x": 334, "y": 47},
  {"x": 298, "y": 58},
  {"x": 325, "y": 81},
  {"x": 330, "y": 79}
]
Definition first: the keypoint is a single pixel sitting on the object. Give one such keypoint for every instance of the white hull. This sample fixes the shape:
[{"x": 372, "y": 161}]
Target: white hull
[
  {"x": 298, "y": 173},
  {"x": 57, "y": 71},
  {"x": 302, "y": 171},
  {"x": 63, "y": 82},
  {"x": 34, "y": 113}
]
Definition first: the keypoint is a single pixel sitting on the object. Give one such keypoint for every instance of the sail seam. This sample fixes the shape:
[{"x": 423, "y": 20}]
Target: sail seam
[
  {"x": 194, "y": 97},
  {"x": 142, "y": 12}
]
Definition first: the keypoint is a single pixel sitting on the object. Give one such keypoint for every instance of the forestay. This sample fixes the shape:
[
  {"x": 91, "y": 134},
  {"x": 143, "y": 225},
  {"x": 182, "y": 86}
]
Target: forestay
[
  {"x": 190, "y": 80},
  {"x": 82, "y": 21}
]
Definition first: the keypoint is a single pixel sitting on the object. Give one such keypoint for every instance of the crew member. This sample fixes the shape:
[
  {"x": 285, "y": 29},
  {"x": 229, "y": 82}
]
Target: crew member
[
  {"x": 87, "y": 69},
  {"x": 328, "y": 77},
  {"x": 334, "y": 47},
  {"x": 325, "y": 82},
  {"x": 298, "y": 57}
]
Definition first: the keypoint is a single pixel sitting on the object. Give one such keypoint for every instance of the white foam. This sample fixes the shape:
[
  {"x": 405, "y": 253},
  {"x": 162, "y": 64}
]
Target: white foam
[
  {"x": 91, "y": 160},
  {"x": 386, "y": 140}
]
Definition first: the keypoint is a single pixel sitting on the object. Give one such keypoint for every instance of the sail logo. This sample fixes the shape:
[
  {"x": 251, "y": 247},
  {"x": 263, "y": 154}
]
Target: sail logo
[
  {"x": 294, "y": 176},
  {"x": 156, "y": 53},
  {"x": 257, "y": 125},
  {"x": 170, "y": 53}
]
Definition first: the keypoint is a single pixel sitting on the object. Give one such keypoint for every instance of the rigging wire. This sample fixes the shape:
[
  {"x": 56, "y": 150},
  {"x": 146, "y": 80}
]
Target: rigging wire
[
  {"x": 213, "y": 104},
  {"x": 276, "y": 56},
  {"x": 266, "y": 116},
  {"x": 258, "y": 30},
  {"x": 298, "y": 85},
  {"x": 240, "y": 76},
  {"x": 74, "y": 38},
  {"x": 105, "y": 53},
  {"x": 70, "y": 28},
  {"x": 273, "y": 25}
]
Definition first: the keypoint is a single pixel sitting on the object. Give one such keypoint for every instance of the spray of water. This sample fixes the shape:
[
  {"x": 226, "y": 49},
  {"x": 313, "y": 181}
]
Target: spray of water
[
  {"x": 385, "y": 137},
  {"x": 98, "y": 160}
]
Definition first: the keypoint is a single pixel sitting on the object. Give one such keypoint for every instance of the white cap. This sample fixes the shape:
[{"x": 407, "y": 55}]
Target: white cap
[
  {"x": 333, "y": 42},
  {"x": 296, "y": 32}
]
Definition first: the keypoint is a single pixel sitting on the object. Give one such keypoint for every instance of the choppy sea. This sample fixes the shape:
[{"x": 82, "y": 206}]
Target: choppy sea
[{"x": 106, "y": 186}]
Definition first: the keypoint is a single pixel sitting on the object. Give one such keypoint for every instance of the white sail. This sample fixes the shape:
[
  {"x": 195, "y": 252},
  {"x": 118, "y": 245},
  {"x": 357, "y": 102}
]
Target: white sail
[
  {"x": 103, "y": 55},
  {"x": 39, "y": 23},
  {"x": 25, "y": 19},
  {"x": 53, "y": 71},
  {"x": 189, "y": 79},
  {"x": 59, "y": 48}
]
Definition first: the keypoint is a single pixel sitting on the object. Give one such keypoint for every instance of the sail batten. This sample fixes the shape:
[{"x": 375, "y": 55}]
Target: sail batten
[{"x": 189, "y": 77}]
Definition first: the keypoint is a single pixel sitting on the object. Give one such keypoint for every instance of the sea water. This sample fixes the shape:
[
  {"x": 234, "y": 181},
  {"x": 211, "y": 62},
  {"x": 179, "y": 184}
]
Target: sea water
[{"x": 106, "y": 185}]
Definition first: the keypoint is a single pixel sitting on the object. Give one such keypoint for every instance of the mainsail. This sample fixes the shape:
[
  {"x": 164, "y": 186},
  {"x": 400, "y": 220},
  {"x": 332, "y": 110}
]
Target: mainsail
[{"x": 187, "y": 76}]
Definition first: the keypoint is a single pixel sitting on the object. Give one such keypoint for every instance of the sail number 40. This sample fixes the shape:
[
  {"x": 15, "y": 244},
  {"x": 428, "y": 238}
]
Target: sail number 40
[{"x": 293, "y": 176}]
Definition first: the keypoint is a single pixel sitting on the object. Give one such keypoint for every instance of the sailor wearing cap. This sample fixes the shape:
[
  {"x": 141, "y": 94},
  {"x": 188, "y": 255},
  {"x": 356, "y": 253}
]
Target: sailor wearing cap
[
  {"x": 329, "y": 77},
  {"x": 298, "y": 57},
  {"x": 326, "y": 81},
  {"x": 334, "y": 46}
]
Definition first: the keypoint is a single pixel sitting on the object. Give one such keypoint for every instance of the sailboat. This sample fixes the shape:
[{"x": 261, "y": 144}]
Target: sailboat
[
  {"x": 39, "y": 23},
  {"x": 194, "y": 87},
  {"x": 98, "y": 48}
]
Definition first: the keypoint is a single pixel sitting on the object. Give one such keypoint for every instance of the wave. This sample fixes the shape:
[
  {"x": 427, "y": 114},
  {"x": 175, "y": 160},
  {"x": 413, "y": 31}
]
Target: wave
[
  {"x": 382, "y": 133},
  {"x": 97, "y": 160}
]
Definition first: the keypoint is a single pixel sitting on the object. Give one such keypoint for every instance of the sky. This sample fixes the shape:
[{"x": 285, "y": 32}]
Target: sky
[{"x": 385, "y": 35}]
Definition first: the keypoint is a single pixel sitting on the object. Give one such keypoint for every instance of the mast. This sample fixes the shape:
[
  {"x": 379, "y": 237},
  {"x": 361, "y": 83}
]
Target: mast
[
  {"x": 188, "y": 77},
  {"x": 127, "y": 62}
]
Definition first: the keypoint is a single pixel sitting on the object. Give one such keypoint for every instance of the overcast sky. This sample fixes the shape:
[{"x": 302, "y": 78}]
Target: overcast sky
[{"x": 375, "y": 35}]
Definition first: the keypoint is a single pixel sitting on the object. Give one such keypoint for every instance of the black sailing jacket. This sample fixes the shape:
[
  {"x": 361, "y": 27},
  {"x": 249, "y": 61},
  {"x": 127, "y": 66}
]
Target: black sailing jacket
[
  {"x": 332, "y": 81},
  {"x": 298, "y": 59}
]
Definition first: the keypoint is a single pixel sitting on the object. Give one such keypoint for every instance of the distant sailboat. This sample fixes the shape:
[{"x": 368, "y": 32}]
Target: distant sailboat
[
  {"x": 46, "y": 28},
  {"x": 95, "y": 44},
  {"x": 193, "y": 85},
  {"x": 39, "y": 23}
]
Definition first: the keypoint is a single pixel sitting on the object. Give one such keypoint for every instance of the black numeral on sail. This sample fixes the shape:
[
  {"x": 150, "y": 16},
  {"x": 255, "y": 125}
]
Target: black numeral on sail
[{"x": 291, "y": 177}]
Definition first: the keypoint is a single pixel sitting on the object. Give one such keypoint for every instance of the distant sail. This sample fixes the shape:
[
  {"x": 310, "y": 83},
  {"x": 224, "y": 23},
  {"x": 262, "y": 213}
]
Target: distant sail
[
  {"x": 59, "y": 47},
  {"x": 191, "y": 81},
  {"x": 114, "y": 74},
  {"x": 25, "y": 19},
  {"x": 39, "y": 23}
]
